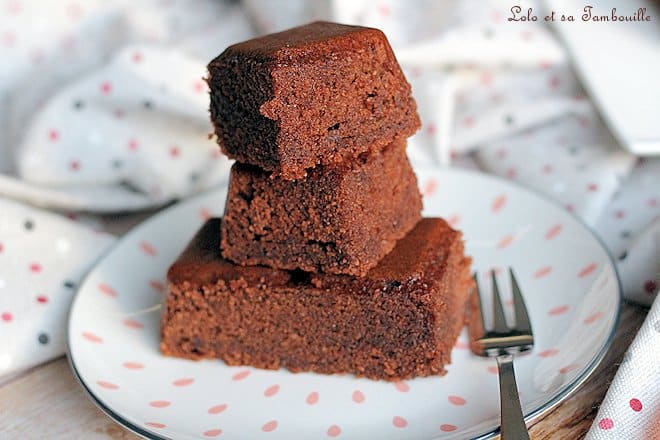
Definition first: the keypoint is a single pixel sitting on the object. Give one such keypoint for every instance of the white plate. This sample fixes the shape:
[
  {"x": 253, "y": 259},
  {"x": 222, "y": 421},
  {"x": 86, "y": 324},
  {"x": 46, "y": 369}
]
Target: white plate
[{"x": 568, "y": 279}]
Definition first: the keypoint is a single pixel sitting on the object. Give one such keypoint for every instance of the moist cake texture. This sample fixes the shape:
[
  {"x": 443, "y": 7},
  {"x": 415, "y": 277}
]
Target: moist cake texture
[
  {"x": 314, "y": 94},
  {"x": 399, "y": 321},
  {"x": 340, "y": 219}
]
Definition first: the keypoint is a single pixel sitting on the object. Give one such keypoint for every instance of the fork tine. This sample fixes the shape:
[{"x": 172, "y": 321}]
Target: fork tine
[
  {"x": 522, "y": 319},
  {"x": 498, "y": 312},
  {"x": 477, "y": 293}
]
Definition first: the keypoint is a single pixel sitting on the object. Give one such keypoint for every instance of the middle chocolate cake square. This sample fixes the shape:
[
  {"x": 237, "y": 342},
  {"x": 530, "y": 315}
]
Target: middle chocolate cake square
[{"x": 340, "y": 219}]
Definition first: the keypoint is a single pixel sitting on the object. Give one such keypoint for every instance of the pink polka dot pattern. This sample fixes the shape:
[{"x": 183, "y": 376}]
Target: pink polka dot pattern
[
  {"x": 35, "y": 267},
  {"x": 212, "y": 432},
  {"x": 358, "y": 397},
  {"x": 217, "y": 409},
  {"x": 241, "y": 375},
  {"x": 587, "y": 270},
  {"x": 548, "y": 353},
  {"x": 158, "y": 286},
  {"x": 399, "y": 422},
  {"x": 554, "y": 82},
  {"x": 160, "y": 403},
  {"x": 155, "y": 425},
  {"x": 593, "y": 317},
  {"x": 446, "y": 427},
  {"x": 148, "y": 248},
  {"x": 312, "y": 398},
  {"x": 269, "y": 426},
  {"x": 430, "y": 187},
  {"x": 53, "y": 135},
  {"x": 543, "y": 271},
  {"x": 635, "y": 405},
  {"x": 498, "y": 203},
  {"x": 469, "y": 121},
  {"x": 105, "y": 88},
  {"x": 568, "y": 368},
  {"x": 559, "y": 310},
  {"x": 198, "y": 86},
  {"x": 132, "y": 323},
  {"x": 107, "y": 290},
  {"x": 107, "y": 385},
  {"x": 456, "y": 400},
  {"x": 402, "y": 387},
  {"x": 272, "y": 390},
  {"x": 505, "y": 242},
  {"x": 606, "y": 424},
  {"x": 183, "y": 382},
  {"x": 553, "y": 232},
  {"x": 91, "y": 337},
  {"x": 333, "y": 431},
  {"x": 133, "y": 145},
  {"x": 133, "y": 365}
]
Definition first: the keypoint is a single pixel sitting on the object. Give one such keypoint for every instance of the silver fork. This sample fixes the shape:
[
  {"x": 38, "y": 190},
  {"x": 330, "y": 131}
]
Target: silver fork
[{"x": 502, "y": 342}]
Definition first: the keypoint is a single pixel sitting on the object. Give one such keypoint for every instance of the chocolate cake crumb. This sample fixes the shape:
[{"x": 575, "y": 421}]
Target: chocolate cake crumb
[
  {"x": 342, "y": 218},
  {"x": 397, "y": 322}
]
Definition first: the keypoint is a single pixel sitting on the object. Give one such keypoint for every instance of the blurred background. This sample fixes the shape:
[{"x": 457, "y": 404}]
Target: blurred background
[
  {"x": 104, "y": 120},
  {"x": 104, "y": 106}
]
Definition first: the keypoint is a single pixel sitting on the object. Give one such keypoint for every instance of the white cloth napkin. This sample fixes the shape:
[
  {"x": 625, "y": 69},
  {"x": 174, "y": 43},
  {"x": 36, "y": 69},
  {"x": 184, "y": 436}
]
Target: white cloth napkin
[
  {"x": 104, "y": 104},
  {"x": 104, "y": 109},
  {"x": 631, "y": 407},
  {"x": 43, "y": 257}
]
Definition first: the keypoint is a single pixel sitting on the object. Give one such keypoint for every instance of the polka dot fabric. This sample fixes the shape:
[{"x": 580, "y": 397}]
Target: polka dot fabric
[
  {"x": 43, "y": 258},
  {"x": 630, "y": 409},
  {"x": 141, "y": 137},
  {"x": 90, "y": 119}
]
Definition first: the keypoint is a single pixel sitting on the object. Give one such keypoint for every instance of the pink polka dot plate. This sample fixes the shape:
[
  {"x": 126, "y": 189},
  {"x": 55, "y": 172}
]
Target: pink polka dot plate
[{"x": 570, "y": 286}]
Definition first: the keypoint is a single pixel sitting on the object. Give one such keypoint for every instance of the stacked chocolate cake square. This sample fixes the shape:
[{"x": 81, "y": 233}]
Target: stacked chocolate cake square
[{"x": 322, "y": 261}]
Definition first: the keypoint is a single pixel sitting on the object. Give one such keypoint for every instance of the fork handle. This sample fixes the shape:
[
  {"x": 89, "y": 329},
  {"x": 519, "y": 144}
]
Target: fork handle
[{"x": 512, "y": 421}]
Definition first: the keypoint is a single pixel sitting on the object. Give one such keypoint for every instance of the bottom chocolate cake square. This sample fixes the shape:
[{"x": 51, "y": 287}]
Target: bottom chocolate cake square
[{"x": 399, "y": 321}]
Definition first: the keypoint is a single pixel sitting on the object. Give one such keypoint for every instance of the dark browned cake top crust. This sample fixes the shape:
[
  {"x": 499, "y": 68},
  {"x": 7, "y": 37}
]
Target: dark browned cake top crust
[
  {"x": 422, "y": 253},
  {"x": 312, "y": 41},
  {"x": 317, "y": 94}
]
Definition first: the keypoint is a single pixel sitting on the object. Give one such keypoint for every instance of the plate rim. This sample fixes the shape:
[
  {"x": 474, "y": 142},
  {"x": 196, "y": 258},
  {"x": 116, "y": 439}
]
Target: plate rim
[{"x": 533, "y": 416}]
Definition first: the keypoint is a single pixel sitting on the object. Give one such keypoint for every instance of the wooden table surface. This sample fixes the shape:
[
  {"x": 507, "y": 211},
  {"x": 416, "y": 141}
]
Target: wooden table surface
[{"x": 47, "y": 402}]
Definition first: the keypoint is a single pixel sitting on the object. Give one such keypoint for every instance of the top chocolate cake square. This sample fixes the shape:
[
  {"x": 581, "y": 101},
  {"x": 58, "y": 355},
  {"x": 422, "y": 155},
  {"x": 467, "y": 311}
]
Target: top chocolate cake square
[{"x": 317, "y": 94}]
